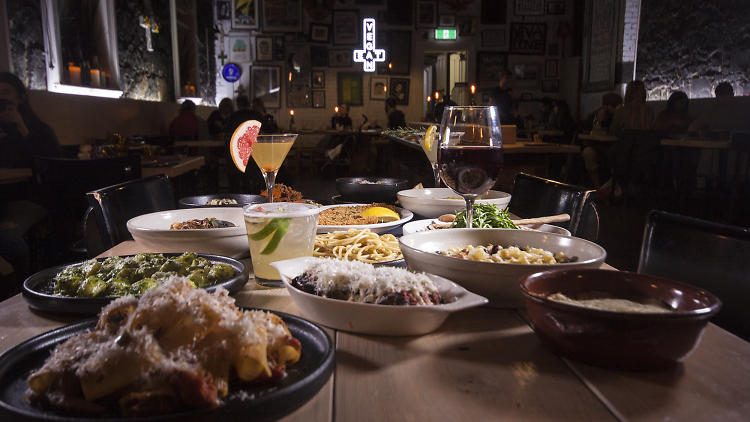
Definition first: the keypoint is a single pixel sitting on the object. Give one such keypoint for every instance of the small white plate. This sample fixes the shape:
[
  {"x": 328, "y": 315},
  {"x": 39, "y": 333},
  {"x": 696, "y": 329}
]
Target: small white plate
[
  {"x": 406, "y": 216},
  {"x": 421, "y": 225},
  {"x": 368, "y": 318}
]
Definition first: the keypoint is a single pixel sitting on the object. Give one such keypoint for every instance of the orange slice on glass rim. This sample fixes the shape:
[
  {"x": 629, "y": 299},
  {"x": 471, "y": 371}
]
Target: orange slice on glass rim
[{"x": 241, "y": 145}]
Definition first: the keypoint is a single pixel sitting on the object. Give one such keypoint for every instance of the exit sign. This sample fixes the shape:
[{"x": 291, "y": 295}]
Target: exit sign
[{"x": 445, "y": 34}]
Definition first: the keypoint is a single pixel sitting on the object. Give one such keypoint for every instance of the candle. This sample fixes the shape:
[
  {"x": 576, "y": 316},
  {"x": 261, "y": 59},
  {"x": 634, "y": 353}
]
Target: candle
[
  {"x": 192, "y": 91},
  {"x": 75, "y": 75},
  {"x": 336, "y": 109},
  {"x": 291, "y": 112},
  {"x": 473, "y": 89},
  {"x": 95, "y": 79}
]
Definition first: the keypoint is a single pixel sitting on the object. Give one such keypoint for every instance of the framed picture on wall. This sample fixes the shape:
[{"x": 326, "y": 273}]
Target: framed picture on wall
[
  {"x": 224, "y": 10},
  {"x": 397, "y": 45},
  {"x": 320, "y": 33},
  {"x": 447, "y": 21},
  {"x": 264, "y": 49},
  {"x": 467, "y": 26},
  {"x": 346, "y": 27},
  {"x": 528, "y": 38},
  {"x": 266, "y": 84},
  {"x": 550, "y": 85},
  {"x": 349, "y": 88},
  {"x": 399, "y": 90},
  {"x": 378, "y": 88},
  {"x": 278, "y": 54},
  {"x": 529, "y": 7},
  {"x": 244, "y": 16},
  {"x": 318, "y": 79},
  {"x": 239, "y": 47},
  {"x": 339, "y": 58},
  {"x": 550, "y": 69},
  {"x": 426, "y": 14},
  {"x": 319, "y": 99},
  {"x": 526, "y": 75},
  {"x": 489, "y": 65},
  {"x": 281, "y": 15},
  {"x": 600, "y": 46}
]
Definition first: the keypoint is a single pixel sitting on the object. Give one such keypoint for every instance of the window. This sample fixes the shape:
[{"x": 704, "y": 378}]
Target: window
[{"x": 185, "y": 50}]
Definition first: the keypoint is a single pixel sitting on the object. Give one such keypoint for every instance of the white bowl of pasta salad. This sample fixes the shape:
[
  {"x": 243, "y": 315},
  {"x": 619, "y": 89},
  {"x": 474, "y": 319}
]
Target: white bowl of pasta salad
[
  {"x": 354, "y": 307},
  {"x": 494, "y": 271},
  {"x": 434, "y": 202}
]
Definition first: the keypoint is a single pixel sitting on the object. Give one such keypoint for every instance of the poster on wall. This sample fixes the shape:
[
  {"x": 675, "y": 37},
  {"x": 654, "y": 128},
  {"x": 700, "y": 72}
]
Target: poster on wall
[
  {"x": 399, "y": 89},
  {"x": 489, "y": 65},
  {"x": 599, "y": 50},
  {"x": 266, "y": 85},
  {"x": 528, "y": 38},
  {"x": 529, "y": 7},
  {"x": 345, "y": 27},
  {"x": 239, "y": 47},
  {"x": 282, "y": 15},
  {"x": 244, "y": 14},
  {"x": 349, "y": 88}
]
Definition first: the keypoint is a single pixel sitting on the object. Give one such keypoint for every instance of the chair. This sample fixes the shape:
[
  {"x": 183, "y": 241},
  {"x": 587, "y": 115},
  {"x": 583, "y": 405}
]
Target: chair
[
  {"x": 637, "y": 160},
  {"x": 113, "y": 206},
  {"x": 535, "y": 196},
  {"x": 705, "y": 254},
  {"x": 739, "y": 179}
]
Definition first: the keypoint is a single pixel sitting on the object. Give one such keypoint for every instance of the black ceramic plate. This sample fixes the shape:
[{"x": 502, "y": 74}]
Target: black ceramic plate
[
  {"x": 241, "y": 198},
  {"x": 85, "y": 306},
  {"x": 258, "y": 403},
  {"x": 352, "y": 188}
]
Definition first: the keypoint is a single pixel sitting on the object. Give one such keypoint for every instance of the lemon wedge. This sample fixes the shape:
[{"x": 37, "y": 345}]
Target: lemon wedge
[
  {"x": 429, "y": 137},
  {"x": 384, "y": 214}
]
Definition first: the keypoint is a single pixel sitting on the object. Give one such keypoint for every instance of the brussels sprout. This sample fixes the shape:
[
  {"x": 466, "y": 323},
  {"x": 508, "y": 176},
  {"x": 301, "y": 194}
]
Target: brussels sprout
[
  {"x": 126, "y": 274},
  {"x": 90, "y": 267},
  {"x": 186, "y": 258},
  {"x": 112, "y": 261},
  {"x": 145, "y": 271},
  {"x": 93, "y": 286},
  {"x": 199, "y": 278},
  {"x": 140, "y": 287},
  {"x": 118, "y": 287},
  {"x": 173, "y": 266},
  {"x": 220, "y": 272},
  {"x": 68, "y": 284},
  {"x": 143, "y": 257}
]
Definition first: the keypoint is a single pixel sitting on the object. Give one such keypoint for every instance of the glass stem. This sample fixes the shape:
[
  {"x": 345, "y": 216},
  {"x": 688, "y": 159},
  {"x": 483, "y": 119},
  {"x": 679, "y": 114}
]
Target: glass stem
[
  {"x": 469, "y": 212},
  {"x": 436, "y": 172},
  {"x": 270, "y": 177}
]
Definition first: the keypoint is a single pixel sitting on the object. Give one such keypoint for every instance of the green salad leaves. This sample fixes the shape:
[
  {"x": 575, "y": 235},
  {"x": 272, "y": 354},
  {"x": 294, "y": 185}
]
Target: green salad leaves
[{"x": 486, "y": 216}]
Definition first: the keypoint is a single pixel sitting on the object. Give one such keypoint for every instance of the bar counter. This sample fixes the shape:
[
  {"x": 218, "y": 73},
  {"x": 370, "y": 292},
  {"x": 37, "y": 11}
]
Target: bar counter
[{"x": 482, "y": 364}]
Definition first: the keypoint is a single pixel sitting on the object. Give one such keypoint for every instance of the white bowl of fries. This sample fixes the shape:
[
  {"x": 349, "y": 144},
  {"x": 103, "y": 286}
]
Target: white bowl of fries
[{"x": 434, "y": 202}]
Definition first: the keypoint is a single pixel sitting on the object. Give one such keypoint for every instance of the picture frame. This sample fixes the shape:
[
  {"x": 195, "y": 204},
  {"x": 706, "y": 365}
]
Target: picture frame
[
  {"x": 552, "y": 50},
  {"x": 399, "y": 89},
  {"x": 397, "y": 45},
  {"x": 529, "y": 8},
  {"x": 320, "y": 33},
  {"x": 529, "y": 38},
  {"x": 447, "y": 21},
  {"x": 550, "y": 68},
  {"x": 339, "y": 58},
  {"x": 278, "y": 54},
  {"x": 551, "y": 85},
  {"x": 281, "y": 15},
  {"x": 318, "y": 56},
  {"x": 493, "y": 12},
  {"x": 426, "y": 13},
  {"x": 263, "y": 49},
  {"x": 494, "y": 38},
  {"x": 345, "y": 27},
  {"x": 378, "y": 85},
  {"x": 349, "y": 85},
  {"x": 298, "y": 78},
  {"x": 278, "y": 41},
  {"x": 319, "y": 99},
  {"x": 600, "y": 46},
  {"x": 467, "y": 26},
  {"x": 318, "y": 79},
  {"x": 242, "y": 18},
  {"x": 489, "y": 65},
  {"x": 555, "y": 7},
  {"x": 265, "y": 83},
  {"x": 239, "y": 47},
  {"x": 223, "y": 10},
  {"x": 526, "y": 75}
]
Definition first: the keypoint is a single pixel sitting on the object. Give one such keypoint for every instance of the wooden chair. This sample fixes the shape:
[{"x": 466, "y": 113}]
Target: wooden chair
[
  {"x": 535, "y": 196},
  {"x": 709, "y": 255}
]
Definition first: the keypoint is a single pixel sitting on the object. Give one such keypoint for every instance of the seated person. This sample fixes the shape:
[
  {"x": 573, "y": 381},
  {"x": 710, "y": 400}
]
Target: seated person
[
  {"x": 727, "y": 114},
  {"x": 440, "y": 107},
  {"x": 604, "y": 115},
  {"x": 268, "y": 124},
  {"x": 218, "y": 117},
  {"x": 341, "y": 119},
  {"x": 188, "y": 124},
  {"x": 675, "y": 119},
  {"x": 396, "y": 118},
  {"x": 547, "y": 107},
  {"x": 564, "y": 120}
]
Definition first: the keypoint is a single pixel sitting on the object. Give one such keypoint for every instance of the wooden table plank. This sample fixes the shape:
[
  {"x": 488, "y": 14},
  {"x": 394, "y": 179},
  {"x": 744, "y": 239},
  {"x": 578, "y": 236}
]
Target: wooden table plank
[
  {"x": 696, "y": 143},
  {"x": 480, "y": 365},
  {"x": 185, "y": 165},
  {"x": 597, "y": 138},
  {"x": 13, "y": 175}
]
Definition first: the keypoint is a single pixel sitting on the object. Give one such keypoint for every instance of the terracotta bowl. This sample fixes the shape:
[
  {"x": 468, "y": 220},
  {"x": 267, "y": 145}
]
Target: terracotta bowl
[{"x": 618, "y": 340}]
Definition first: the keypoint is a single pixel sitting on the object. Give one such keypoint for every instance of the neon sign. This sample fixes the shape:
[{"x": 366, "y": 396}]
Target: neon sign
[{"x": 369, "y": 55}]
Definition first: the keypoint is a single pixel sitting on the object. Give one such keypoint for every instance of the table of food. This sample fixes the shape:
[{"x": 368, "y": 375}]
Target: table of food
[{"x": 276, "y": 307}]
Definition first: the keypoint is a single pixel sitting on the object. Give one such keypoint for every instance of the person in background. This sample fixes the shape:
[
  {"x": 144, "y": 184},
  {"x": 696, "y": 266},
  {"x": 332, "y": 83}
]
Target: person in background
[
  {"x": 515, "y": 116},
  {"x": 635, "y": 114},
  {"x": 675, "y": 119},
  {"x": 268, "y": 124},
  {"x": 547, "y": 107},
  {"x": 188, "y": 124},
  {"x": 610, "y": 103},
  {"x": 564, "y": 120},
  {"x": 341, "y": 119},
  {"x": 218, "y": 117},
  {"x": 726, "y": 114},
  {"x": 501, "y": 96},
  {"x": 396, "y": 118},
  {"x": 440, "y": 107}
]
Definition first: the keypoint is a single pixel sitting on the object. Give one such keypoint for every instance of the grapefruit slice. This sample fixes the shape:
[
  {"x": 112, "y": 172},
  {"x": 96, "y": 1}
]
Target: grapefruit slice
[{"x": 241, "y": 145}]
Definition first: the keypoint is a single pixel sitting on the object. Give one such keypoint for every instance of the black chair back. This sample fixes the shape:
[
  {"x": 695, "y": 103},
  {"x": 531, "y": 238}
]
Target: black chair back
[
  {"x": 712, "y": 256},
  {"x": 113, "y": 206},
  {"x": 535, "y": 196},
  {"x": 637, "y": 158}
]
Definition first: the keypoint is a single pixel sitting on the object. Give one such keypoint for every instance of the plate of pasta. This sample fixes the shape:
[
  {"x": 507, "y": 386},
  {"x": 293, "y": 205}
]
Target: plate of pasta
[
  {"x": 155, "y": 358},
  {"x": 359, "y": 245},
  {"x": 348, "y": 216}
]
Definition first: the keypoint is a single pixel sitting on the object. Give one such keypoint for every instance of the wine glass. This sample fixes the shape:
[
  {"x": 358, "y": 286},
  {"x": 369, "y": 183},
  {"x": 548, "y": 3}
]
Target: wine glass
[
  {"x": 269, "y": 152},
  {"x": 430, "y": 147},
  {"x": 470, "y": 155}
]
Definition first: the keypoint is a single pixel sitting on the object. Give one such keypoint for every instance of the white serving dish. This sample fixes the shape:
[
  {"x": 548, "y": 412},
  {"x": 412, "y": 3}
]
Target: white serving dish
[
  {"x": 368, "y": 318},
  {"x": 497, "y": 282},
  {"x": 152, "y": 231},
  {"x": 433, "y": 202},
  {"x": 406, "y": 216},
  {"x": 421, "y": 225}
]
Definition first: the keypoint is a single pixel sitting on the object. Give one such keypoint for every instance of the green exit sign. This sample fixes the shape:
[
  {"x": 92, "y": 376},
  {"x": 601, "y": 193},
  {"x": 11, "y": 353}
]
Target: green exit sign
[{"x": 445, "y": 34}]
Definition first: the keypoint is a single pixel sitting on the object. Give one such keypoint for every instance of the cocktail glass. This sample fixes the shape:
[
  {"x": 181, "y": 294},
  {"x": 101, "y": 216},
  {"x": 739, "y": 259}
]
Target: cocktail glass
[
  {"x": 431, "y": 155},
  {"x": 471, "y": 152},
  {"x": 269, "y": 152},
  {"x": 279, "y": 231}
]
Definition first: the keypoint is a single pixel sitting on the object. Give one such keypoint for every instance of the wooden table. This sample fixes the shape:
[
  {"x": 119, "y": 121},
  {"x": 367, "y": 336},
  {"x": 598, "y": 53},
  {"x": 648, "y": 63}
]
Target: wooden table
[
  {"x": 185, "y": 165},
  {"x": 205, "y": 143},
  {"x": 696, "y": 143},
  {"x": 14, "y": 175},
  {"x": 597, "y": 138},
  {"x": 483, "y": 364}
]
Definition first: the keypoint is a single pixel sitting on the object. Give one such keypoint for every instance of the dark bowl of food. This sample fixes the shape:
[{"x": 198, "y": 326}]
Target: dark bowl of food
[
  {"x": 238, "y": 200},
  {"x": 370, "y": 189},
  {"x": 617, "y": 319}
]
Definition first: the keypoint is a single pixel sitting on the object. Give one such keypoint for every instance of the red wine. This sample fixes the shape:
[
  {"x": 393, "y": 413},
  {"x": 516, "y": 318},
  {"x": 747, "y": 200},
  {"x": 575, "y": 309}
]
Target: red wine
[{"x": 470, "y": 170}]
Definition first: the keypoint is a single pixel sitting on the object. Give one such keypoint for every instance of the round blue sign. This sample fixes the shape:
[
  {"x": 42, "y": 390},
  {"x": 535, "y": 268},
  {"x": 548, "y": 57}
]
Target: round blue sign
[{"x": 231, "y": 72}]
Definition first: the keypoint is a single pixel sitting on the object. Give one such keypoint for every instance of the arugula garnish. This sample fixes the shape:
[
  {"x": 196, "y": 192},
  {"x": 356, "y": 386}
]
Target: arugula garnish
[{"x": 486, "y": 216}]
